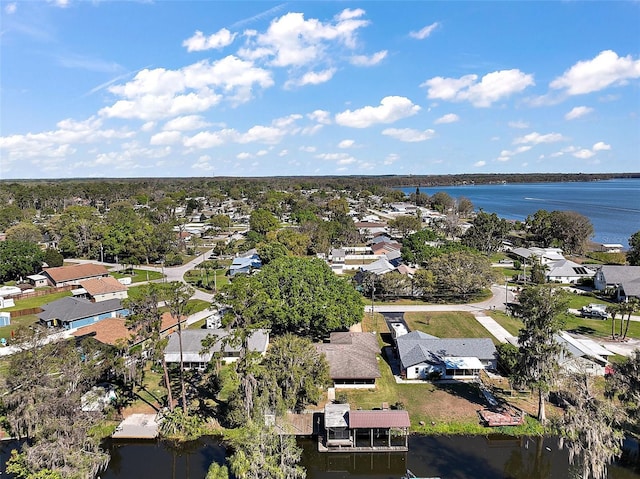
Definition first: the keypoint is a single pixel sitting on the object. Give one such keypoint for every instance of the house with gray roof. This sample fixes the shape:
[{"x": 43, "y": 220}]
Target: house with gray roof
[
  {"x": 352, "y": 358},
  {"x": 424, "y": 356},
  {"x": 245, "y": 264},
  {"x": 71, "y": 312},
  {"x": 582, "y": 355},
  {"x": 193, "y": 354},
  {"x": 567, "y": 271},
  {"x": 624, "y": 279}
]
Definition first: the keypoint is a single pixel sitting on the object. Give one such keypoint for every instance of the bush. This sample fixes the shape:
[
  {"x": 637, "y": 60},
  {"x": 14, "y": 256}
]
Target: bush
[
  {"x": 173, "y": 259},
  {"x": 341, "y": 398}
]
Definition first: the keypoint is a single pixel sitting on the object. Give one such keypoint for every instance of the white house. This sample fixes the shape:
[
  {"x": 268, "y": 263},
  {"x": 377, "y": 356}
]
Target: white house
[
  {"x": 423, "y": 356},
  {"x": 582, "y": 355}
]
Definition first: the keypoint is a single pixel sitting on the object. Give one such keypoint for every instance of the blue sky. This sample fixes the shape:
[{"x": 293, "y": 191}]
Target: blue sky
[{"x": 142, "y": 89}]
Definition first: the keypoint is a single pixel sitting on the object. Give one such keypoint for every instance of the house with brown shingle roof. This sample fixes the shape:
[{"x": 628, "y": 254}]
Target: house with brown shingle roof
[
  {"x": 104, "y": 288},
  {"x": 72, "y": 275},
  {"x": 352, "y": 358}
]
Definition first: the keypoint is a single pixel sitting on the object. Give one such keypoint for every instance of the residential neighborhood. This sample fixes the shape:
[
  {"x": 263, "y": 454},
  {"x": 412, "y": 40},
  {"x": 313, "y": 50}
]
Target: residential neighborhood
[{"x": 365, "y": 316}]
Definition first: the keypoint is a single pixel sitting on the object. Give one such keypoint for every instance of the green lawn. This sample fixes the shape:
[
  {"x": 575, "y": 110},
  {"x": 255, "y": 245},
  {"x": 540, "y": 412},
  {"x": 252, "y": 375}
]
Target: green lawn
[
  {"x": 447, "y": 324},
  {"x": 207, "y": 282},
  {"x": 596, "y": 328},
  {"x": 139, "y": 275},
  {"x": 36, "y": 302},
  {"x": 28, "y": 320}
]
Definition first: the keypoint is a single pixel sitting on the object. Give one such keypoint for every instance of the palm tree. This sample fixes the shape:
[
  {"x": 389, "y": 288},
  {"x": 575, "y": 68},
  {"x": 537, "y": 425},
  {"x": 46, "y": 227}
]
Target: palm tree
[
  {"x": 613, "y": 310},
  {"x": 631, "y": 307}
]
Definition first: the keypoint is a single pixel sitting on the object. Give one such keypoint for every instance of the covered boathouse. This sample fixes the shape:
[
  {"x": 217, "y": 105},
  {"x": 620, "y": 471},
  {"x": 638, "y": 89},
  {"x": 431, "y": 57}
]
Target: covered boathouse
[{"x": 380, "y": 430}]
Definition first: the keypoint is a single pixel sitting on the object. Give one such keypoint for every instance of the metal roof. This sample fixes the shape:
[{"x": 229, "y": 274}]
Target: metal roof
[
  {"x": 71, "y": 309},
  {"x": 378, "y": 419}
]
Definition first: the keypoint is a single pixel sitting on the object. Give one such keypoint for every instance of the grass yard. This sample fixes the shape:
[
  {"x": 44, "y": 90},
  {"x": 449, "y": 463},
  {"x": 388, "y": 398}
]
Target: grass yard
[
  {"x": 36, "y": 302},
  {"x": 138, "y": 275},
  {"x": 447, "y": 324},
  {"x": 207, "y": 282},
  {"x": 508, "y": 322}
]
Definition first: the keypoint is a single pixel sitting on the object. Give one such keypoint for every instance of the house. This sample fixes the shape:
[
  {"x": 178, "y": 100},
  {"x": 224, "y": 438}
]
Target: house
[
  {"x": 566, "y": 271},
  {"x": 379, "y": 430},
  {"x": 114, "y": 330},
  {"x": 624, "y": 279},
  {"x": 103, "y": 289},
  {"x": 193, "y": 356},
  {"x": 352, "y": 358},
  {"x": 245, "y": 264},
  {"x": 38, "y": 280},
  {"x": 544, "y": 255},
  {"x": 72, "y": 275},
  {"x": 337, "y": 259},
  {"x": 71, "y": 313},
  {"x": 424, "y": 356},
  {"x": 582, "y": 355}
]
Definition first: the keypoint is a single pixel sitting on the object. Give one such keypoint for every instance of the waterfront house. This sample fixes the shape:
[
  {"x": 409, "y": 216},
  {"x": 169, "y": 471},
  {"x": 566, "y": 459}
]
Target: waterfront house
[
  {"x": 352, "y": 358},
  {"x": 194, "y": 356},
  {"x": 380, "y": 430},
  {"x": 423, "y": 356}
]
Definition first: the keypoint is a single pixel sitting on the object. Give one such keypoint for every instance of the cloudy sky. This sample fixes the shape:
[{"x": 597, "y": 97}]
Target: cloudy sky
[{"x": 204, "y": 88}]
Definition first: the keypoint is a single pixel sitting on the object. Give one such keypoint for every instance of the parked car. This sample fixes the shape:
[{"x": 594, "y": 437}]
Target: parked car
[{"x": 594, "y": 311}]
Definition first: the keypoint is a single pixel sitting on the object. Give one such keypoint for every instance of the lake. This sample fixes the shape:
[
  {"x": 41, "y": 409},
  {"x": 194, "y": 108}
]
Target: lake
[
  {"x": 456, "y": 457},
  {"x": 613, "y": 206}
]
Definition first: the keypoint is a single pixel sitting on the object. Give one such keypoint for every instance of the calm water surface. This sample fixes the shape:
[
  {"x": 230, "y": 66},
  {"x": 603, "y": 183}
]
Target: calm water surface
[
  {"x": 458, "y": 457},
  {"x": 613, "y": 206}
]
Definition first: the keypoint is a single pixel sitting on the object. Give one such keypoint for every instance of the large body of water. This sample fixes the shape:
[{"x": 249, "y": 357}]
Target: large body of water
[{"x": 613, "y": 206}]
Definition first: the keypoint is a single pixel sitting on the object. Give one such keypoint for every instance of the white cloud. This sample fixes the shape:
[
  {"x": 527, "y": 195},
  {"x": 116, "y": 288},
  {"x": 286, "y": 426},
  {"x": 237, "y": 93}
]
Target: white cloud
[
  {"x": 203, "y": 163},
  {"x": 584, "y": 154},
  {"x": 198, "y": 42},
  {"x": 308, "y": 149},
  {"x": 346, "y": 144},
  {"x": 148, "y": 126},
  {"x": 492, "y": 87},
  {"x": 339, "y": 158},
  {"x": 424, "y": 32},
  {"x": 392, "y": 108},
  {"x": 321, "y": 116},
  {"x": 208, "y": 139},
  {"x": 577, "y": 112},
  {"x": 262, "y": 152},
  {"x": 536, "y": 138},
  {"x": 480, "y": 163},
  {"x": 518, "y": 124},
  {"x": 166, "y": 138},
  {"x": 161, "y": 93},
  {"x": 391, "y": 159},
  {"x": 10, "y": 8},
  {"x": 368, "y": 61},
  {"x": 262, "y": 134},
  {"x": 283, "y": 153},
  {"x": 59, "y": 3},
  {"x": 244, "y": 156},
  {"x": 506, "y": 155},
  {"x": 448, "y": 118},
  {"x": 601, "y": 146},
  {"x": 409, "y": 135},
  {"x": 186, "y": 123},
  {"x": 291, "y": 40},
  {"x": 606, "y": 69},
  {"x": 312, "y": 78}
]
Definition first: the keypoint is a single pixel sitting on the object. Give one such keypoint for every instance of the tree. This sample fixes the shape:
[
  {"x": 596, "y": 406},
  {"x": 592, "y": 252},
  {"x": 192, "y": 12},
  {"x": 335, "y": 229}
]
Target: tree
[
  {"x": 633, "y": 255},
  {"x": 629, "y": 307},
  {"x": 442, "y": 202},
  {"x": 461, "y": 273},
  {"x": 24, "y": 231},
  {"x": 19, "y": 259},
  {"x": 297, "y": 295},
  {"x": 625, "y": 385},
  {"x": 540, "y": 309},
  {"x": 262, "y": 221},
  {"x": 53, "y": 258},
  {"x": 261, "y": 453},
  {"x": 416, "y": 247},
  {"x": 590, "y": 428},
  {"x": 294, "y": 373},
  {"x": 613, "y": 311},
  {"x": 405, "y": 224},
  {"x": 177, "y": 295},
  {"x": 145, "y": 321},
  {"x": 486, "y": 233},
  {"x": 217, "y": 471},
  {"x": 270, "y": 251},
  {"x": 42, "y": 403},
  {"x": 465, "y": 207},
  {"x": 573, "y": 230}
]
